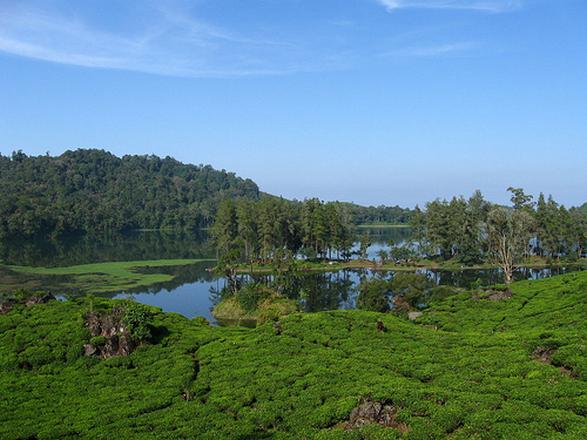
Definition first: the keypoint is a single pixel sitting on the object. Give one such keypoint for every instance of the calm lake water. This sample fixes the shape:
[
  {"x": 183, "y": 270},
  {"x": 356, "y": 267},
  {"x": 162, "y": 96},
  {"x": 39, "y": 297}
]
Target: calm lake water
[{"x": 194, "y": 291}]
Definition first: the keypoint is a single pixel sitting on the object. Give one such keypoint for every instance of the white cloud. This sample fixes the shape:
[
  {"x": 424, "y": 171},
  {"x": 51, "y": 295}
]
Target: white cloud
[
  {"x": 491, "y": 6},
  {"x": 173, "y": 42}
]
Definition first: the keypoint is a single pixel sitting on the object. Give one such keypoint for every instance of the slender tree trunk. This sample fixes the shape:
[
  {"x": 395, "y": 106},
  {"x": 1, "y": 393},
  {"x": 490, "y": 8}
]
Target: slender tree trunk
[{"x": 508, "y": 275}]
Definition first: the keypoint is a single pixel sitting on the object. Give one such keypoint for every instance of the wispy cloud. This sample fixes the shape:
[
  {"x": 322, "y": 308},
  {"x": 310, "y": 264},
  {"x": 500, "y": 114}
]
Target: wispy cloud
[
  {"x": 173, "y": 38},
  {"x": 436, "y": 50},
  {"x": 491, "y": 6},
  {"x": 172, "y": 43}
]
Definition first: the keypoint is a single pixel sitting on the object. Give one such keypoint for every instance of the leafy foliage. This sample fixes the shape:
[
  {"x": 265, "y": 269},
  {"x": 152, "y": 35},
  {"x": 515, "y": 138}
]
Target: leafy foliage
[
  {"x": 411, "y": 287},
  {"x": 374, "y": 295},
  {"x": 263, "y": 230},
  {"x": 467, "y": 372},
  {"x": 92, "y": 190},
  {"x": 461, "y": 229},
  {"x": 137, "y": 318}
]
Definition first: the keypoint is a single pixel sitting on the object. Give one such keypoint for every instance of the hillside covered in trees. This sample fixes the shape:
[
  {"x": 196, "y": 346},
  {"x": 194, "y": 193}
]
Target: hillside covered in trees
[
  {"x": 93, "y": 190},
  {"x": 90, "y": 190}
]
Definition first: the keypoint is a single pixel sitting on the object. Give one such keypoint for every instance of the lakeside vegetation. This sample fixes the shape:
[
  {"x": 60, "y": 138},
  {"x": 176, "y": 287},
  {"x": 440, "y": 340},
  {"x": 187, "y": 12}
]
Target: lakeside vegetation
[
  {"x": 471, "y": 232},
  {"x": 469, "y": 367},
  {"x": 412, "y": 265},
  {"x": 97, "y": 277}
]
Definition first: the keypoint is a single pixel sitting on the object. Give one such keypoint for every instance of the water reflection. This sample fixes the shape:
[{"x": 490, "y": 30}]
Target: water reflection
[
  {"x": 195, "y": 290},
  {"x": 135, "y": 245}
]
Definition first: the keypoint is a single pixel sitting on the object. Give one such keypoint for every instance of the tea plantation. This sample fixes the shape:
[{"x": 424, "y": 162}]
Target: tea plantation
[{"x": 469, "y": 368}]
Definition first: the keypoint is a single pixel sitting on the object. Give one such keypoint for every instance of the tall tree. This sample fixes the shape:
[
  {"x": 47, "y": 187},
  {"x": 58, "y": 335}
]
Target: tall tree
[
  {"x": 225, "y": 229},
  {"x": 509, "y": 233}
]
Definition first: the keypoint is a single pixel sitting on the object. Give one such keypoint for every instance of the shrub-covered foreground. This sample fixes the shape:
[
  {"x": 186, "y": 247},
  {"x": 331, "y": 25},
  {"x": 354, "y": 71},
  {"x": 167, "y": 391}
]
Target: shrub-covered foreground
[{"x": 470, "y": 368}]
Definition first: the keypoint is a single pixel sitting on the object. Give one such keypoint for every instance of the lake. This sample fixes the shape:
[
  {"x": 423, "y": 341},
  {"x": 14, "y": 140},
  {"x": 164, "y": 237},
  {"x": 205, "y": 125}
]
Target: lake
[{"x": 194, "y": 291}]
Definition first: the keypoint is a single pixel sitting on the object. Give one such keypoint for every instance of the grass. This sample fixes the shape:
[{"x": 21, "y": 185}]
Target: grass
[
  {"x": 231, "y": 311},
  {"x": 104, "y": 277},
  {"x": 331, "y": 266},
  {"x": 464, "y": 370}
]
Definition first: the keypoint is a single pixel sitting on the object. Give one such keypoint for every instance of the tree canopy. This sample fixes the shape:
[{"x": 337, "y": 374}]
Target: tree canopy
[{"x": 92, "y": 190}]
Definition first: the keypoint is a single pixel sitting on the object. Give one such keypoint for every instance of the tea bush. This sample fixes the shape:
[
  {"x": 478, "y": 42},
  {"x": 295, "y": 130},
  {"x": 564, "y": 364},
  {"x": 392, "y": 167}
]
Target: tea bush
[{"x": 465, "y": 371}]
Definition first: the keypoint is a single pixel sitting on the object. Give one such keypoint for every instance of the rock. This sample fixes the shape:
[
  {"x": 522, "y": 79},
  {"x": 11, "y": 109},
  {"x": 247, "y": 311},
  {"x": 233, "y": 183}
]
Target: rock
[
  {"x": 543, "y": 354},
  {"x": 118, "y": 340},
  {"x": 374, "y": 412},
  {"x": 89, "y": 350},
  {"x": 39, "y": 299},
  {"x": 412, "y": 316},
  {"x": 6, "y": 307},
  {"x": 380, "y": 326},
  {"x": 499, "y": 295}
]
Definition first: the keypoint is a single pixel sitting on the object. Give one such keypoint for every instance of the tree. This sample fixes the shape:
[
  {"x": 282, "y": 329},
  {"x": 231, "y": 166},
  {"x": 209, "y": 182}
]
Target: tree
[
  {"x": 412, "y": 288},
  {"x": 439, "y": 227},
  {"x": 383, "y": 255},
  {"x": 374, "y": 295},
  {"x": 520, "y": 199},
  {"x": 87, "y": 191},
  {"x": 364, "y": 243},
  {"x": 225, "y": 229},
  {"x": 247, "y": 226},
  {"x": 509, "y": 233}
]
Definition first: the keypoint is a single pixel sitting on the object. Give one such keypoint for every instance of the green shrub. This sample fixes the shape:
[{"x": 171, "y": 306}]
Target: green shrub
[
  {"x": 98, "y": 340},
  {"x": 412, "y": 287},
  {"x": 251, "y": 295},
  {"x": 138, "y": 319},
  {"x": 374, "y": 295}
]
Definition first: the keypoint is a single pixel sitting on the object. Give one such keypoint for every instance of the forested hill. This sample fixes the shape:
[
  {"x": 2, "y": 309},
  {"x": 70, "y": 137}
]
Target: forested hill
[{"x": 93, "y": 190}]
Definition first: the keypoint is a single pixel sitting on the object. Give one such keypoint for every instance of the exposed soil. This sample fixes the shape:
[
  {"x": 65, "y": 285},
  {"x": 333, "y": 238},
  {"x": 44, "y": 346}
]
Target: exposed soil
[
  {"x": 544, "y": 355},
  {"x": 498, "y": 295},
  {"x": 116, "y": 339}
]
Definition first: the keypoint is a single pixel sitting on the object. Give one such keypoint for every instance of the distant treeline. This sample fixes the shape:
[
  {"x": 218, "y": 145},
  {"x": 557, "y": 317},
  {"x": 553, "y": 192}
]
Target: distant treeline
[
  {"x": 93, "y": 190},
  {"x": 463, "y": 229},
  {"x": 466, "y": 230},
  {"x": 260, "y": 230},
  {"x": 378, "y": 214}
]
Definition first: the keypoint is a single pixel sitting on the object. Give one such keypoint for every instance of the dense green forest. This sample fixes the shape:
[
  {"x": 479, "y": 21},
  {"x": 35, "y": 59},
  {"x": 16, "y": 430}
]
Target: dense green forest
[
  {"x": 89, "y": 190},
  {"x": 95, "y": 191}
]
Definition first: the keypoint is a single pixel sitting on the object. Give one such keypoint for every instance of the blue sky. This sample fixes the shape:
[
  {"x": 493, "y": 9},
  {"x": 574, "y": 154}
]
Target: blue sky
[{"x": 372, "y": 101}]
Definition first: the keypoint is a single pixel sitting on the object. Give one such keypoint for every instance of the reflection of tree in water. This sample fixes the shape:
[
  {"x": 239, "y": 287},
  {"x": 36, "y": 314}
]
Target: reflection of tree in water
[
  {"x": 316, "y": 291},
  {"x": 336, "y": 290},
  {"x": 486, "y": 277},
  {"x": 189, "y": 274},
  {"x": 137, "y": 245},
  {"x": 329, "y": 291}
]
